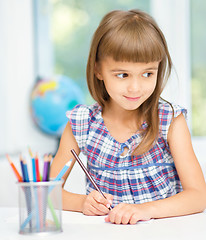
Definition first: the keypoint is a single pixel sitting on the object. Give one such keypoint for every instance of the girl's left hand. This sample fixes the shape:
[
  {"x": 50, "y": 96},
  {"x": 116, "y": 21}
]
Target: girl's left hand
[{"x": 125, "y": 213}]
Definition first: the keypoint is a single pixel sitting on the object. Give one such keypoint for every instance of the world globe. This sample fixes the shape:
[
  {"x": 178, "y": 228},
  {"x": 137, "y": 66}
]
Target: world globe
[{"x": 50, "y": 99}]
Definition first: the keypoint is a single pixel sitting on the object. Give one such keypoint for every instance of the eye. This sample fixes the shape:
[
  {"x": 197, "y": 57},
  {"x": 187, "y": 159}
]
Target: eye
[
  {"x": 122, "y": 75},
  {"x": 147, "y": 74}
]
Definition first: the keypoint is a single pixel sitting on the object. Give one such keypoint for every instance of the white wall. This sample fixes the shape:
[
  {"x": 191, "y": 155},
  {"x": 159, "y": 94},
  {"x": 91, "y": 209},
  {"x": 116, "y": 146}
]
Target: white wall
[
  {"x": 173, "y": 17},
  {"x": 17, "y": 129}
]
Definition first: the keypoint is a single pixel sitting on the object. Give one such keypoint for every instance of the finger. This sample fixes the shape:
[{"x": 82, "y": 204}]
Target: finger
[
  {"x": 116, "y": 214},
  {"x": 100, "y": 209},
  {"x": 109, "y": 198},
  {"x": 126, "y": 218},
  {"x": 107, "y": 219},
  {"x": 92, "y": 211},
  {"x": 92, "y": 200},
  {"x": 134, "y": 219},
  {"x": 100, "y": 199},
  {"x": 96, "y": 211},
  {"x": 117, "y": 218}
]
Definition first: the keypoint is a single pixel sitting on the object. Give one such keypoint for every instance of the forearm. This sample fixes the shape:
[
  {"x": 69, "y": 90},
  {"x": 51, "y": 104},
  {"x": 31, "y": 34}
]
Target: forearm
[
  {"x": 183, "y": 203},
  {"x": 72, "y": 201}
]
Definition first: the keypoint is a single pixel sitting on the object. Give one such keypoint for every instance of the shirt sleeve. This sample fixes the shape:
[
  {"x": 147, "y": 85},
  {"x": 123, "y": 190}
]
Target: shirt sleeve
[
  {"x": 167, "y": 112},
  {"x": 79, "y": 118}
]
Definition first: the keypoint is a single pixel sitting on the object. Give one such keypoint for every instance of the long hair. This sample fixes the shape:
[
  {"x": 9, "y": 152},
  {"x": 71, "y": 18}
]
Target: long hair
[{"x": 131, "y": 36}]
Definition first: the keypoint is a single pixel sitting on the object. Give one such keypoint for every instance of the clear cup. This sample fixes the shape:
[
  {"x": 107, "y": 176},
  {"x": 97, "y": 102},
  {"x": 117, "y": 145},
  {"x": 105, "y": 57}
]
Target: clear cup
[{"x": 40, "y": 207}]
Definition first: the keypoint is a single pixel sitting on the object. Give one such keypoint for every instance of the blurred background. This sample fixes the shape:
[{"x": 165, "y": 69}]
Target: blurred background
[{"x": 44, "y": 46}]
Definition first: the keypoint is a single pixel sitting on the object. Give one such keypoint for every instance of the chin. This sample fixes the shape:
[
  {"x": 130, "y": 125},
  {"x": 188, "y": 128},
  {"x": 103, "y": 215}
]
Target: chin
[{"x": 131, "y": 108}]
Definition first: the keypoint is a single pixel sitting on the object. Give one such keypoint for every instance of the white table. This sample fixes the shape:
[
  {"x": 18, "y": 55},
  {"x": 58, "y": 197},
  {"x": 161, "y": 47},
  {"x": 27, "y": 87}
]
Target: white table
[{"x": 77, "y": 226}]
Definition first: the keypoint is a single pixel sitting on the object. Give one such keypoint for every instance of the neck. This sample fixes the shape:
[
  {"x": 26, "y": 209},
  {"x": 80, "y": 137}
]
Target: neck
[{"x": 118, "y": 114}]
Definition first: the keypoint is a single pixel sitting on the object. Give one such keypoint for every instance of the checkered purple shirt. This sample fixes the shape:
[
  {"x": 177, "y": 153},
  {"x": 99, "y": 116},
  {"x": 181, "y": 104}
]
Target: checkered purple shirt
[{"x": 137, "y": 179}]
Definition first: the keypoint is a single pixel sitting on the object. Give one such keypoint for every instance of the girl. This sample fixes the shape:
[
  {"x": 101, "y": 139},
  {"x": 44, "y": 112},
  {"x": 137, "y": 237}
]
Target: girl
[{"x": 138, "y": 145}]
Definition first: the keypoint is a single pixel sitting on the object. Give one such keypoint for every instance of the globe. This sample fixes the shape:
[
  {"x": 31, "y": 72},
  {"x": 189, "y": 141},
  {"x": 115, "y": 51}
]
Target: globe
[{"x": 50, "y": 99}]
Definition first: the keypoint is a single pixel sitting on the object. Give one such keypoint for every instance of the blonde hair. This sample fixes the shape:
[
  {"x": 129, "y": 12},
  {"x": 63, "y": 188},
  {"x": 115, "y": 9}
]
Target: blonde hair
[{"x": 131, "y": 36}]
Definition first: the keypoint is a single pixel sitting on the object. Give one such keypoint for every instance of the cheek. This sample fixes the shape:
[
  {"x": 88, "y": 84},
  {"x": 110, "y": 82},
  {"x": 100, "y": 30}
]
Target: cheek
[
  {"x": 111, "y": 85},
  {"x": 153, "y": 85},
  {"x": 150, "y": 88}
]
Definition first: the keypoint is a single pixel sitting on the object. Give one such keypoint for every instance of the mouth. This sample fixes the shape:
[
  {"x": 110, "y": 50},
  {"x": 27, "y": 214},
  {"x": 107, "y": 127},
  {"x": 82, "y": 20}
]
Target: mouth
[{"x": 133, "y": 99}]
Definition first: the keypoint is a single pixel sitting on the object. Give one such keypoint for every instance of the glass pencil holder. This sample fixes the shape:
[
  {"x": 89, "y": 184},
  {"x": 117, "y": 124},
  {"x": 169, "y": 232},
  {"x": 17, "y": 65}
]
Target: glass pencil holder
[{"x": 40, "y": 207}]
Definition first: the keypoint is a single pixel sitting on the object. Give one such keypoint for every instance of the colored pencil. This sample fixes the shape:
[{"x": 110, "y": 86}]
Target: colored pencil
[
  {"x": 45, "y": 169},
  {"x": 36, "y": 195},
  {"x": 63, "y": 171},
  {"x": 88, "y": 175},
  {"x": 33, "y": 165},
  {"x": 49, "y": 164},
  {"x": 22, "y": 169},
  {"x": 14, "y": 169},
  {"x": 26, "y": 171},
  {"x": 51, "y": 207},
  {"x": 37, "y": 168},
  {"x": 39, "y": 191},
  {"x": 26, "y": 189},
  {"x": 45, "y": 192}
]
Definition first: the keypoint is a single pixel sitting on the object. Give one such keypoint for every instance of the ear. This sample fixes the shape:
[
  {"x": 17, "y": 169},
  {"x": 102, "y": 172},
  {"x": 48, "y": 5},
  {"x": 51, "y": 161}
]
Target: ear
[{"x": 97, "y": 71}]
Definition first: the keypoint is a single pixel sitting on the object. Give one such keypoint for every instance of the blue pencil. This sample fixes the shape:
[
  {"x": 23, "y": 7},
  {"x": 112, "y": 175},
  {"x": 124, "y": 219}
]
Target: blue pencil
[
  {"x": 26, "y": 171},
  {"x": 35, "y": 190},
  {"x": 26, "y": 189},
  {"x": 22, "y": 169},
  {"x": 33, "y": 165},
  {"x": 63, "y": 171},
  {"x": 34, "y": 169}
]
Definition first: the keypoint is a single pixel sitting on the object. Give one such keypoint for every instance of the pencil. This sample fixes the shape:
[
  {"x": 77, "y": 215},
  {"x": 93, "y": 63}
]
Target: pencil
[
  {"x": 88, "y": 175},
  {"x": 39, "y": 192},
  {"x": 22, "y": 168},
  {"x": 37, "y": 168},
  {"x": 26, "y": 171},
  {"x": 26, "y": 189},
  {"x": 45, "y": 169},
  {"x": 33, "y": 165},
  {"x": 49, "y": 164},
  {"x": 45, "y": 192},
  {"x": 14, "y": 169},
  {"x": 63, "y": 171},
  {"x": 36, "y": 194}
]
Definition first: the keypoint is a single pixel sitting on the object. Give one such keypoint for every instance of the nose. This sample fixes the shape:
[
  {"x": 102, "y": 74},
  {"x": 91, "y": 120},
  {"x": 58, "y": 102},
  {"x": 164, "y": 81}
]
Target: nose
[{"x": 134, "y": 85}]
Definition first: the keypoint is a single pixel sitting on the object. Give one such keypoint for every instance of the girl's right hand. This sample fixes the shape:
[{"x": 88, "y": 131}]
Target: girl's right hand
[{"x": 96, "y": 204}]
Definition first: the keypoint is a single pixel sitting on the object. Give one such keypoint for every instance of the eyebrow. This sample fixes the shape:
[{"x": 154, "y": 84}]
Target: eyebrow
[
  {"x": 119, "y": 70},
  {"x": 146, "y": 69},
  {"x": 152, "y": 68}
]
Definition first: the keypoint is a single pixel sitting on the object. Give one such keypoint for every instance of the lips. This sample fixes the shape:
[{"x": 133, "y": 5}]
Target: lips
[{"x": 132, "y": 98}]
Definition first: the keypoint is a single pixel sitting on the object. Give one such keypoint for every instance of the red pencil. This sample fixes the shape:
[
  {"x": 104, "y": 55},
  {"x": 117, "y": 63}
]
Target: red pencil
[
  {"x": 14, "y": 169},
  {"x": 37, "y": 168}
]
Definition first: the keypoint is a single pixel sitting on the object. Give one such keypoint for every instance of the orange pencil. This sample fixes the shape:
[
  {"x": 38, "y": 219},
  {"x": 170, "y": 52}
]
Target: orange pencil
[{"x": 14, "y": 169}]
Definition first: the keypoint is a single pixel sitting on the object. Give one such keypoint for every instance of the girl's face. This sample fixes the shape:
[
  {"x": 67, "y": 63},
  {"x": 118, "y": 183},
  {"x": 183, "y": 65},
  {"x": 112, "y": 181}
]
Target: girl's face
[{"x": 128, "y": 84}]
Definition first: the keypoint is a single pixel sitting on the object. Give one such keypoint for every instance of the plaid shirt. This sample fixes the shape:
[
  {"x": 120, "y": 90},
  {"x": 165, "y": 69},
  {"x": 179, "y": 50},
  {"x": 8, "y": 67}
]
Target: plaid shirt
[{"x": 136, "y": 179}]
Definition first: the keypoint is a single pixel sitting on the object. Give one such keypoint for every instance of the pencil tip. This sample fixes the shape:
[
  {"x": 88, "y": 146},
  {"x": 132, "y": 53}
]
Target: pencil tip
[
  {"x": 30, "y": 152},
  {"x": 9, "y": 159},
  {"x": 20, "y": 157},
  {"x": 50, "y": 157}
]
